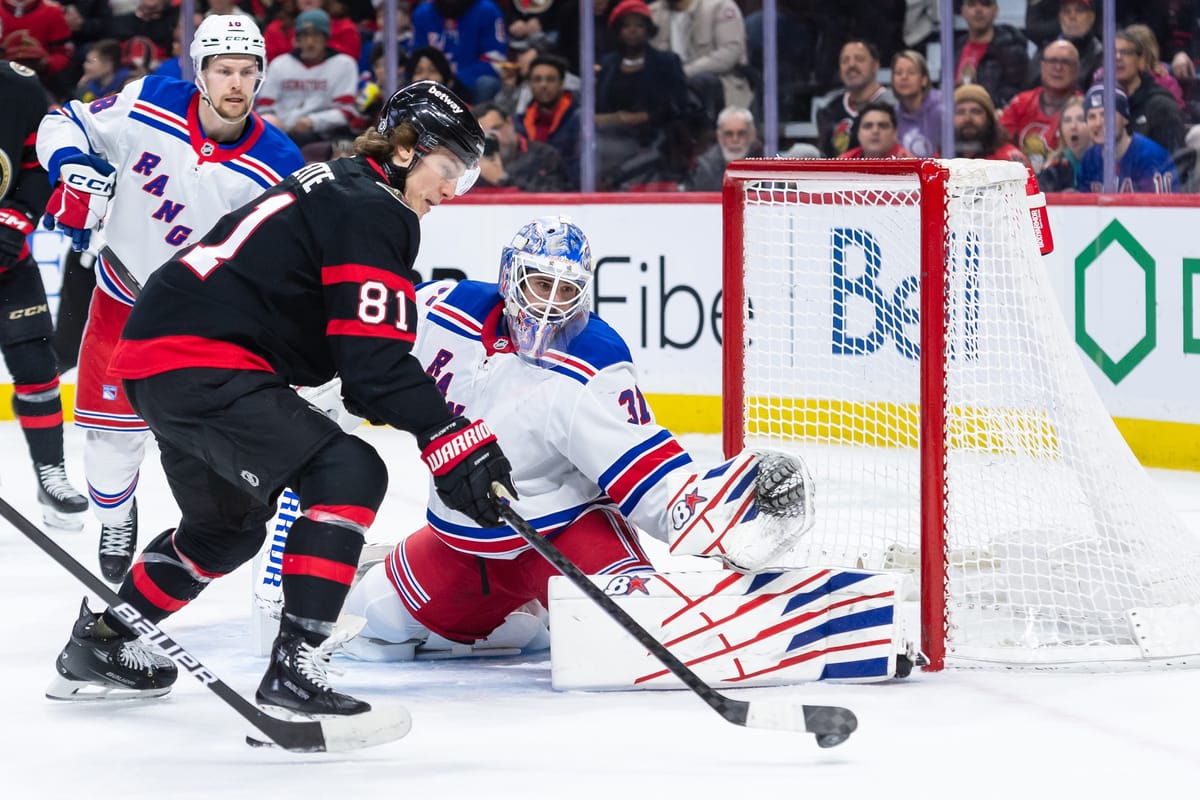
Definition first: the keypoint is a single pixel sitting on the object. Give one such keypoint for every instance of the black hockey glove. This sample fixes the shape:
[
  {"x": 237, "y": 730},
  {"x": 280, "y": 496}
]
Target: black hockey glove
[
  {"x": 465, "y": 459},
  {"x": 14, "y": 227}
]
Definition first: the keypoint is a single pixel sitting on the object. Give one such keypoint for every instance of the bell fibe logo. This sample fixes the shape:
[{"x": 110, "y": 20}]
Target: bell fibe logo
[{"x": 872, "y": 304}]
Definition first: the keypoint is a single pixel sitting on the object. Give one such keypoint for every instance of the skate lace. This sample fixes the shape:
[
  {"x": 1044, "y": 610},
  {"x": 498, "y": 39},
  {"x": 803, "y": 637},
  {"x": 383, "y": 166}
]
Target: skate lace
[
  {"x": 136, "y": 656},
  {"x": 116, "y": 540},
  {"x": 313, "y": 662},
  {"x": 53, "y": 478}
]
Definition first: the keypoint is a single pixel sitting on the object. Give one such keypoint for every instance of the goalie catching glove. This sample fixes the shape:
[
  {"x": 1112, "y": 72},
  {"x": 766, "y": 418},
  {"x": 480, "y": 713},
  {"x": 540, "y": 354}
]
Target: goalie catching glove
[
  {"x": 80, "y": 201},
  {"x": 746, "y": 512},
  {"x": 465, "y": 459}
]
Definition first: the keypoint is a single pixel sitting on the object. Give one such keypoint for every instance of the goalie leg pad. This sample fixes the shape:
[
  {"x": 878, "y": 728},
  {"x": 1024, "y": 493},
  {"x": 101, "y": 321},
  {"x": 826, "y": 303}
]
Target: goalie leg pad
[{"x": 774, "y": 628}]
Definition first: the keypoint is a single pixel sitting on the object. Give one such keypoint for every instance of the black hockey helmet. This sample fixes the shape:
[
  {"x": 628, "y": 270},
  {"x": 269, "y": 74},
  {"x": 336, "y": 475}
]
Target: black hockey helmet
[{"x": 440, "y": 118}]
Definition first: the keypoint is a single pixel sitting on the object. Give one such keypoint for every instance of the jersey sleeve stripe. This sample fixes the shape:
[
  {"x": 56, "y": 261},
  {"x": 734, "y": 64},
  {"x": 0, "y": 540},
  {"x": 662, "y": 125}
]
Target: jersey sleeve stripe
[
  {"x": 454, "y": 319},
  {"x": 374, "y": 330},
  {"x": 361, "y": 273},
  {"x": 141, "y": 358},
  {"x": 265, "y": 181}
]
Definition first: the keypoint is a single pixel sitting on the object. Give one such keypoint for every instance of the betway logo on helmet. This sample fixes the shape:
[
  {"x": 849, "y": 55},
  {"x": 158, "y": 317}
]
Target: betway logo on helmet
[{"x": 445, "y": 98}]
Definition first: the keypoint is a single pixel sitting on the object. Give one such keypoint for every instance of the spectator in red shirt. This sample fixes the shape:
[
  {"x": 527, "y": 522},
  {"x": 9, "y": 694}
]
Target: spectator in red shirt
[
  {"x": 35, "y": 33},
  {"x": 1032, "y": 117},
  {"x": 876, "y": 133},
  {"x": 280, "y": 34},
  {"x": 994, "y": 56},
  {"x": 977, "y": 132}
]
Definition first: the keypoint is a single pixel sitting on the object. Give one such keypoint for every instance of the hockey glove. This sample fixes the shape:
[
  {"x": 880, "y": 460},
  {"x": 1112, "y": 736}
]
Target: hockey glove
[
  {"x": 14, "y": 227},
  {"x": 80, "y": 200},
  {"x": 465, "y": 459}
]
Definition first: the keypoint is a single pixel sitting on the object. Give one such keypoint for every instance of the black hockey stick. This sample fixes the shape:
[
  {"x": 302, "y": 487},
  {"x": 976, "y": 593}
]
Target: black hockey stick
[
  {"x": 832, "y": 725},
  {"x": 118, "y": 266},
  {"x": 327, "y": 735}
]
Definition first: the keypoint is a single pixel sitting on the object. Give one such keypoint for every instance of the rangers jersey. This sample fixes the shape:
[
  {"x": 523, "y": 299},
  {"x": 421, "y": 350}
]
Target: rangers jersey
[
  {"x": 172, "y": 182},
  {"x": 312, "y": 278},
  {"x": 576, "y": 428}
]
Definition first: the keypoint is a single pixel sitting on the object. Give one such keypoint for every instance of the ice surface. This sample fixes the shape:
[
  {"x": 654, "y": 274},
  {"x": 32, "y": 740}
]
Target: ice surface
[{"x": 496, "y": 729}]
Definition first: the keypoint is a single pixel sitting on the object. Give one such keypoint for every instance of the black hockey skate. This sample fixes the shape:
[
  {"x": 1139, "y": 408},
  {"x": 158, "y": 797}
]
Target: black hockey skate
[
  {"x": 115, "y": 668},
  {"x": 296, "y": 680},
  {"x": 118, "y": 543},
  {"x": 62, "y": 506}
]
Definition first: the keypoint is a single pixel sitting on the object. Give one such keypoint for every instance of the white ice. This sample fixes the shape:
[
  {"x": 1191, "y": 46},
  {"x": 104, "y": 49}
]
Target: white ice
[{"x": 496, "y": 729}]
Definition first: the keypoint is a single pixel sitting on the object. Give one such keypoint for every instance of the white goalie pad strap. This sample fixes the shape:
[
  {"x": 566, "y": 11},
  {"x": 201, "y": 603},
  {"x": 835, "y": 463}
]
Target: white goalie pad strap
[
  {"x": 734, "y": 630},
  {"x": 746, "y": 511}
]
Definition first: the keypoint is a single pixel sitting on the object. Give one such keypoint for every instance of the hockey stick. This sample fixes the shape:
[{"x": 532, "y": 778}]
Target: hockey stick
[
  {"x": 326, "y": 735},
  {"x": 832, "y": 725},
  {"x": 118, "y": 266}
]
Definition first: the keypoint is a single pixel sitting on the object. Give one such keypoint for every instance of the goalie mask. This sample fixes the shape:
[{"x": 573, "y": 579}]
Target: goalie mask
[
  {"x": 227, "y": 35},
  {"x": 441, "y": 120},
  {"x": 546, "y": 282}
]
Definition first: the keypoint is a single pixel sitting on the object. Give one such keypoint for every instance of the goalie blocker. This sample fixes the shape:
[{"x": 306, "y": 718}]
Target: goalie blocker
[{"x": 735, "y": 630}]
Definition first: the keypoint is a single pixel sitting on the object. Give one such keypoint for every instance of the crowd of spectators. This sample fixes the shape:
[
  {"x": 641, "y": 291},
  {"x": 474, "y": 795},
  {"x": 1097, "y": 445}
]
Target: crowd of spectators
[{"x": 679, "y": 88}]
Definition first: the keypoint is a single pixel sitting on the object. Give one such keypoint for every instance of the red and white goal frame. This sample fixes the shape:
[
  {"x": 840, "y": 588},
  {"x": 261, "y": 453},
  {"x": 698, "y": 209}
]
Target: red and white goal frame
[{"x": 992, "y": 471}]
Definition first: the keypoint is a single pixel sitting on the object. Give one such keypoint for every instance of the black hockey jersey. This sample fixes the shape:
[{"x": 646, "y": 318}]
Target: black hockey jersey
[
  {"x": 311, "y": 279},
  {"x": 24, "y": 186}
]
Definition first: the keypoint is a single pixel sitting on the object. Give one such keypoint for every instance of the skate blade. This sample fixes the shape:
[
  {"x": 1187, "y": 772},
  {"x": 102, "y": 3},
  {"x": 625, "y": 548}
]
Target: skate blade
[
  {"x": 344, "y": 733},
  {"x": 63, "y": 522},
  {"x": 61, "y": 688}
]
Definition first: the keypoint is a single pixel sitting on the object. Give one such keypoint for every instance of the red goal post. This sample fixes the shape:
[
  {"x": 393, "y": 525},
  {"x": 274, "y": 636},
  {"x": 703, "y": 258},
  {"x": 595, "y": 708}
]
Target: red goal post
[{"x": 991, "y": 470}]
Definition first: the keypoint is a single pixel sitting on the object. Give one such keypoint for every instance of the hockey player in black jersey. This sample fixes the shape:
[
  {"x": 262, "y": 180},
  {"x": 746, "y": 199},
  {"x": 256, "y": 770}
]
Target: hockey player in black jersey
[
  {"x": 25, "y": 323},
  {"x": 311, "y": 279}
]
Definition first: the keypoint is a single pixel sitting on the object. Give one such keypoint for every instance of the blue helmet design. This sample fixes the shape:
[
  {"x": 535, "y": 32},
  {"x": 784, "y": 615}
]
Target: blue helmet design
[{"x": 546, "y": 277}]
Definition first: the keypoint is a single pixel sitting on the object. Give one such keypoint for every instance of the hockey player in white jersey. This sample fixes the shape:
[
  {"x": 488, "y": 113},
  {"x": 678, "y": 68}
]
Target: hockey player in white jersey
[
  {"x": 559, "y": 389},
  {"x": 156, "y": 165}
]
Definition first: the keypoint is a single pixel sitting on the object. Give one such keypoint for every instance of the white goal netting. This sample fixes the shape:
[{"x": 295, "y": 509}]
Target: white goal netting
[{"x": 1058, "y": 548}]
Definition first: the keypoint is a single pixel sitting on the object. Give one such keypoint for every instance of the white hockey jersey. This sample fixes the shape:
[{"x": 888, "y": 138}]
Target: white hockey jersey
[
  {"x": 577, "y": 431},
  {"x": 324, "y": 92},
  {"x": 172, "y": 182}
]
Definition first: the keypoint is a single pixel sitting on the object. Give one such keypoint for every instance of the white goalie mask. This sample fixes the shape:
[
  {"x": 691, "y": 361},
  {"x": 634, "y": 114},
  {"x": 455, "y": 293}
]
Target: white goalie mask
[
  {"x": 225, "y": 35},
  {"x": 546, "y": 277}
]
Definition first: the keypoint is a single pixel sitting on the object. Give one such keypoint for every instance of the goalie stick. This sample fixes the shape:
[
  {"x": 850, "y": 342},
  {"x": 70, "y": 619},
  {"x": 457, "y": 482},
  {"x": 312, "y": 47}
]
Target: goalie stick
[
  {"x": 326, "y": 735},
  {"x": 831, "y": 725}
]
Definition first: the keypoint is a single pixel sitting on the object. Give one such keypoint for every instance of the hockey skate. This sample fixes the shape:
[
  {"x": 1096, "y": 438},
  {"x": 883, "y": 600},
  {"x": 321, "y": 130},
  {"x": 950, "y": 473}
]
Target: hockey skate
[
  {"x": 296, "y": 681},
  {"x": 94, "y": 668},
  {"x": 62, "y": 506},
  {"x": 117, "y": 546}
]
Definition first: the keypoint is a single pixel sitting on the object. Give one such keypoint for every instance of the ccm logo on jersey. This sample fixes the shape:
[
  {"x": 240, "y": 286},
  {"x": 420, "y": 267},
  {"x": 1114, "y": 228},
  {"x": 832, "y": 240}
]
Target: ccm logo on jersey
[{"x": 449, "y": 452}]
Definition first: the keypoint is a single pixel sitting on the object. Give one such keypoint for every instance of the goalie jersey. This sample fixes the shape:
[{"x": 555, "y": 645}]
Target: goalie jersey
[
  {"x": 576, "y": 428},
  {"x": 172, "y": 182}
]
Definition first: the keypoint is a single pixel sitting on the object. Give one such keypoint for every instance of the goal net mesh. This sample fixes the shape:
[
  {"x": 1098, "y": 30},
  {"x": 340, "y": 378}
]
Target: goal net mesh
[{"x": 1058, "y": 547}]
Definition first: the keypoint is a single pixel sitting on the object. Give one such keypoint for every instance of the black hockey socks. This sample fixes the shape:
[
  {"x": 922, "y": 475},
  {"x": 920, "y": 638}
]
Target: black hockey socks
[{"x": 319, "y": 563}]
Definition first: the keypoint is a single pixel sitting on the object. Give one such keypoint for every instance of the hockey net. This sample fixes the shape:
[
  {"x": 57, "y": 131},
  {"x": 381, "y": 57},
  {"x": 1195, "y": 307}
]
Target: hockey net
[{"x": 892, "y": 322}]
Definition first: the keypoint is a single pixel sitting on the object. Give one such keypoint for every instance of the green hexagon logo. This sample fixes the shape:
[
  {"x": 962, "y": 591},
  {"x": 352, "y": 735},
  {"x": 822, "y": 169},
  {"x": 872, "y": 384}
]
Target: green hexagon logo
[{"x": 1116, "y": 369}]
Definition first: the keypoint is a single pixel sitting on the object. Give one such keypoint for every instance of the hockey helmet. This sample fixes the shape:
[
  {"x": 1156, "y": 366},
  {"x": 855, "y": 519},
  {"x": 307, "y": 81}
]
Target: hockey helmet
[
  {"x": 553, "y": 248},
  {"x": 227, "y": 34},
  {"x": 440, "y": 119}
]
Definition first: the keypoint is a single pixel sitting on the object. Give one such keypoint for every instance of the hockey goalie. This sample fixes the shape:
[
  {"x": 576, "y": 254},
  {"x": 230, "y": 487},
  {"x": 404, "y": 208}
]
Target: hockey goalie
[{"x": 592, "y": 468}]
